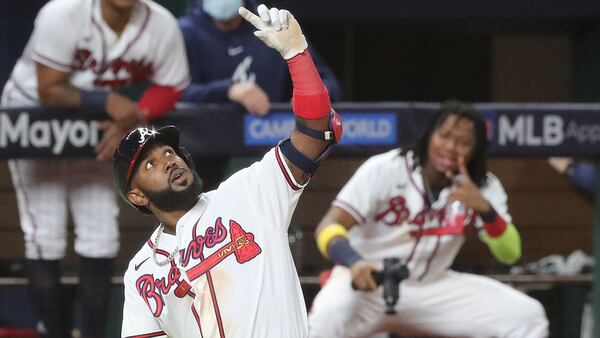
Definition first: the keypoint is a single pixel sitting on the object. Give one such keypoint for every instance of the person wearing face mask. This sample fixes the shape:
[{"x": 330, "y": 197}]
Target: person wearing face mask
[{"x": 228, "y": 64}]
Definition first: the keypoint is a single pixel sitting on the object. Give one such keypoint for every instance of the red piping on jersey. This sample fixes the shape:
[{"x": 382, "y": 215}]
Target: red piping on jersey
[
  {"x": 146, "y": 19},
  {"x": 31, "y": 214},
  {"x": 62, "y": 65},
  {"x": 437, "y": 245},
  {"x": 105, "y": 65},
  {"x": 197, "y": 317},
  {"x": 149, "y": 335},
  {"x": 160, "y": 251},
  {"x": 352, "y": 210},
  {"x": 213, "y": 296},
  {"x": 283, "y": 169}
]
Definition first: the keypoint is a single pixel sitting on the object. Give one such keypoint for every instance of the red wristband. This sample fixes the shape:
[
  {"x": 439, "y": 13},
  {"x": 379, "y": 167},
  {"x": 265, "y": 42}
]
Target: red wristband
[
  {"x": 311, "y": 99},
  {"x": 494, "y": 226}
]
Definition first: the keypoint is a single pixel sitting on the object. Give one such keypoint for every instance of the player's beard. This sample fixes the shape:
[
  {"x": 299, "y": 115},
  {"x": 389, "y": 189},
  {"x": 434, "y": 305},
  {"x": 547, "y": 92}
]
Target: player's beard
[{"x": 171, "y": 200}]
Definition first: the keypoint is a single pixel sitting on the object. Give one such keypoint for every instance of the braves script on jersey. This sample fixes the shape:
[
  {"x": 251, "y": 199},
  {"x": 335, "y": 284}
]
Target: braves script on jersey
[
  {"x": 71, "y": 36},
  {"x": 234, "y": 275},
  {"x": 387, "y": 198}
]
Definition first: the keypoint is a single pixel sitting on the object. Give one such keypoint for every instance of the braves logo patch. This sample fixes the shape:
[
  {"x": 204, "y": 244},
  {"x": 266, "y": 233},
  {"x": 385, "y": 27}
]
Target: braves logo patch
[
  {"x": 242, "y": 246},
  {"x": 117, "y": 72},
  {"x": 398, "y": 213}
]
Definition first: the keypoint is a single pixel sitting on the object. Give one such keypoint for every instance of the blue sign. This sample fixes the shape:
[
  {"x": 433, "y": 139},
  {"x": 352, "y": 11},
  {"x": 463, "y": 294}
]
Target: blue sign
[
  {"x": 268, "y": 130},
  {"x": 359, "y": 128},
  {"x": 369, "y": 128}
]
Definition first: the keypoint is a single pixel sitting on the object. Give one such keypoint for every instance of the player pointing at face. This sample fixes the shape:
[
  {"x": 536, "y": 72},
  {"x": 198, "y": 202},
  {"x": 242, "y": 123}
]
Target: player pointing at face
[{"x": 397, "y": 205}]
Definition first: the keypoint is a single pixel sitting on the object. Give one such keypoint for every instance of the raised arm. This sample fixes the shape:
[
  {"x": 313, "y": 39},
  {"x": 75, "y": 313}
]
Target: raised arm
[{"x": 317, "y": 125}]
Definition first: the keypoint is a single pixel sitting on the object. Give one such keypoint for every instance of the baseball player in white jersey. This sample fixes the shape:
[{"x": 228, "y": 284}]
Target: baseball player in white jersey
[
  {"x": 219, "y": 263},
  {"x": 394, "y": 206},
  {"x": 79, "y": 51}
]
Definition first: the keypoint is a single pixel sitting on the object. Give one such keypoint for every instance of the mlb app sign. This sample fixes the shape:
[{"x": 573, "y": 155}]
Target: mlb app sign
[{"x": 359, "y": 129}]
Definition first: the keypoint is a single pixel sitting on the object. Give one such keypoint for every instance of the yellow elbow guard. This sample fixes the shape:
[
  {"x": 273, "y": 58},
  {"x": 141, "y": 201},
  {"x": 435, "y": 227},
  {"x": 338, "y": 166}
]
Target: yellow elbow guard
[{"x": 330, "y": 232}]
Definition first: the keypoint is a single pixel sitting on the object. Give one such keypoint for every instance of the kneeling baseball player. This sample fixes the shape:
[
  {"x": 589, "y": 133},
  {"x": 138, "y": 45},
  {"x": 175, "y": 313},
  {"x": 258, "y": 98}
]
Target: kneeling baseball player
[
  {"x": 395, "y": 205},
  {"x": 219, "y": 263}
]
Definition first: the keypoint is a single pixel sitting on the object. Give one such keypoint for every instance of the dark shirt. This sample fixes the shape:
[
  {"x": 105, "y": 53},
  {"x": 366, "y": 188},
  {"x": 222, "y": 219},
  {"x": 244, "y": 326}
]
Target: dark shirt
[{"x": 219, "y": 58}]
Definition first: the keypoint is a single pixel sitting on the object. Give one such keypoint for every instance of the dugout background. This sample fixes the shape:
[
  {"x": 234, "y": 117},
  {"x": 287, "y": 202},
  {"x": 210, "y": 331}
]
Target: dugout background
[{"x": 419, "y": 51}]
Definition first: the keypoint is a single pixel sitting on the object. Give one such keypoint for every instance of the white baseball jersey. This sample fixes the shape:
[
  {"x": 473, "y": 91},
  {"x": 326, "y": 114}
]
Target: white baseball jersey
[
  {"x": 71, "y": 36},
  {"x": 235, "y": 276},
  {"x": 387, "y": 198}
]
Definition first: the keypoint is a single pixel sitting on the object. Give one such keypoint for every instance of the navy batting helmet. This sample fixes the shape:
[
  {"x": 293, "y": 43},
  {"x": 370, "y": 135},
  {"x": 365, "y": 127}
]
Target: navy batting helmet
[{"x": 126, "y": 157}]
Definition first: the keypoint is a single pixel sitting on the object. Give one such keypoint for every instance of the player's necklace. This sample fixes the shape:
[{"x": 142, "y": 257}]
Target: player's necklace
[{"x": 169, "y": 259}]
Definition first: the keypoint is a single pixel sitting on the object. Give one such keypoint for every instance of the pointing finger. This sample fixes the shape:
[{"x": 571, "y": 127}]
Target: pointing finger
[
  {"x": 462, "y": 168},
  {"x": 251, "y": 18},
  {"x": 450, "y": 175}
]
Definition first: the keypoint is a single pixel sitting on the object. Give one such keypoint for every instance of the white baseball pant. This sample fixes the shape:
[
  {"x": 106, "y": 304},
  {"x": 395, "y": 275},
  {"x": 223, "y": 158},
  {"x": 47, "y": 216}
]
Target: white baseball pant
[
  {"x": 47, "y": 188},
  {"x": 453, "y": 305}
]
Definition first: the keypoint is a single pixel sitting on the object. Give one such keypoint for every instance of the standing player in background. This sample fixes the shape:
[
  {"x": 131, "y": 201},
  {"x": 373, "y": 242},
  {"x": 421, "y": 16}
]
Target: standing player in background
[
  {"x": 393, "y": 206},
  {"x": 219, "y": 264},
  {"x": 228, "y": 64},
  {"x": 78, "y": 53}
]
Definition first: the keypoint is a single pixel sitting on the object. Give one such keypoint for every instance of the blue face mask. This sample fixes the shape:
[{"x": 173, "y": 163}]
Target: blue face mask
[{"x": 221, "y": 10}]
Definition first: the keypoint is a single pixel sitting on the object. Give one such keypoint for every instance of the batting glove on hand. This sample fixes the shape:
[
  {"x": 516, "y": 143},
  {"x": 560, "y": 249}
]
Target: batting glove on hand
[{"x": 278, "y": 29}]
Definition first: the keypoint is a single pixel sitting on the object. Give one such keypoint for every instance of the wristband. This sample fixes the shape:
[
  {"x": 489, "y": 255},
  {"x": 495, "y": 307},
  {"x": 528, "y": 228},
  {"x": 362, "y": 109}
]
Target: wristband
[
  {"x": 327, "y": 234},
  {"x": 93, "y": 99},
  {"x": 342, "y": 253},
  {"x": 333, "y": 243},
  {"x": 494, "y": 225}
]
